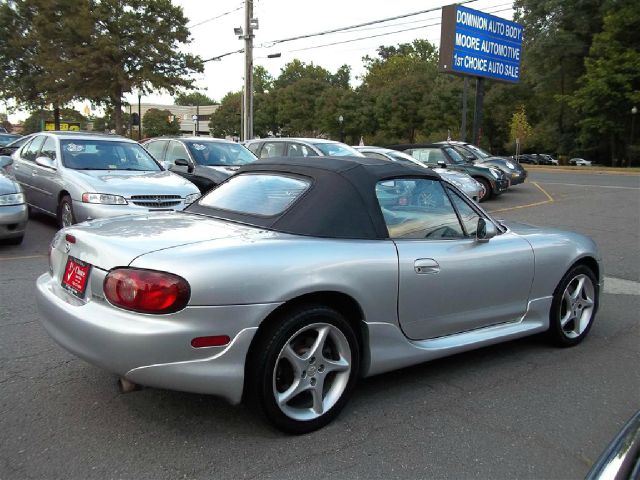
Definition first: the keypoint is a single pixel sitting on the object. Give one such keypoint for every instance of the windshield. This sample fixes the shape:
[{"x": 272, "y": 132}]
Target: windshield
[
  {"x": 337, "y": 150},
  {"x": 90, "y": 154},
  {"x": 219, "y": 153},
  {"x": 6, "y": 138},
  {"x": 455, "y": 156},
  {"x": 478, "y": 151},
  {"x": 404, "y": 158}
]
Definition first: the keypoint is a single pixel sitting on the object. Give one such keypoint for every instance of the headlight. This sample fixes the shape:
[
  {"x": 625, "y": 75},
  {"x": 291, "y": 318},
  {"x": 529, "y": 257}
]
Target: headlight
[
  {"x": 12, "y": 199},
  {"x": 103, "y": 198},
  {"x": 511, "y": 165},
  {"x": 495, "y": 173},
  {"x": 192, "y": 197}
]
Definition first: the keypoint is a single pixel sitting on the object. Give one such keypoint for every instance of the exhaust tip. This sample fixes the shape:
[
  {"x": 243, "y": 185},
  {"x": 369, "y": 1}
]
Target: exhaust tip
[{"x": 127, "y": 386}]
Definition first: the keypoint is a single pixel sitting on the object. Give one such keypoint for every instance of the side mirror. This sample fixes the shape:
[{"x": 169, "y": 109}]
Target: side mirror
[
  {"x": 181, "y": 162},
  {"x": 485, "y": 231},
  {"x": 442, "y": 164},
  {"x": 5, "y": 161},
  {"x": 46, "y": 162}
]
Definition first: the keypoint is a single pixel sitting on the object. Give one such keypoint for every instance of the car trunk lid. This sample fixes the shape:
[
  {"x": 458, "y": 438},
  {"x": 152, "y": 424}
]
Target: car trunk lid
[{"x": 117, "y": 241}]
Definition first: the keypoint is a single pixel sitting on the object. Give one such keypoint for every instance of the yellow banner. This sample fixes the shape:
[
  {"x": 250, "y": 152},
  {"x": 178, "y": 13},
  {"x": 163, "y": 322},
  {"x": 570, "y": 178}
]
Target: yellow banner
[{"x": 64, "y": 126}]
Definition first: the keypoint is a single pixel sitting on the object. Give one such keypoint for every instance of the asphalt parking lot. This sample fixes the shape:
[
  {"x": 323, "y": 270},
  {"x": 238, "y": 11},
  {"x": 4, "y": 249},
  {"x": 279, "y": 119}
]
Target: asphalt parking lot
[{"x": 517, "y": 410}]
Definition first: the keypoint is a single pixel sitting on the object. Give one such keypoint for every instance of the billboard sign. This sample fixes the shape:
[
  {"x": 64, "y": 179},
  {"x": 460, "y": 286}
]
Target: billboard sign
[{"x": 481, "y": 45}]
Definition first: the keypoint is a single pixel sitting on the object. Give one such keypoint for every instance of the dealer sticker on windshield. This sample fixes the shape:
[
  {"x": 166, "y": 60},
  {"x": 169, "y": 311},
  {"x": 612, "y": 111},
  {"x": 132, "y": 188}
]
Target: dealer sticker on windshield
[{"x": 75, "y": 276}]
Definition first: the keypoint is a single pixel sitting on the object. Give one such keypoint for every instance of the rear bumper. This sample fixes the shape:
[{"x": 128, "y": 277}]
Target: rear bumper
[
  {"x": 13, "y": 220},
  {"x": 154, "y": 350}
]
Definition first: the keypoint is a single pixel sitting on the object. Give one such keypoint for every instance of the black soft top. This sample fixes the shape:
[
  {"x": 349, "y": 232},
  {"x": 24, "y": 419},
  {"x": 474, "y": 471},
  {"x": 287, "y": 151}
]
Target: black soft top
[{"x": 340, "y": 203}]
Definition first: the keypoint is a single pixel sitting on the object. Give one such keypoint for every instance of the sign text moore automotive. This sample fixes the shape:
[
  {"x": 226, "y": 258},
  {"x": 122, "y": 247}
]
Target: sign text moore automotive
[{"x": 481, "y": 45}]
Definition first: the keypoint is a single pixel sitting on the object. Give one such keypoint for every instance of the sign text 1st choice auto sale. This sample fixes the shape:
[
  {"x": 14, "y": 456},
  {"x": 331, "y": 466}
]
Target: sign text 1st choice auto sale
[{"x": 481, "y": 45}]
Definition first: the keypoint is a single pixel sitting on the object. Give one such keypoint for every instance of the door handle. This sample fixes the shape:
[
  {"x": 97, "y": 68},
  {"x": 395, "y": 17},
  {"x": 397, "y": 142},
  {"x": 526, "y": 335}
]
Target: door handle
[{"x": 426, "y": 265}]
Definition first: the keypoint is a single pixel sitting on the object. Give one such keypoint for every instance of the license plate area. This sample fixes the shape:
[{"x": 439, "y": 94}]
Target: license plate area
[{"x": 76, "y": 276}]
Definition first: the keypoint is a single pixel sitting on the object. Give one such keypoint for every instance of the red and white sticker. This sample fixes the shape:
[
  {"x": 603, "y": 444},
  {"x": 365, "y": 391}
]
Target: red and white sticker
[{"x": 75, "y": 276}]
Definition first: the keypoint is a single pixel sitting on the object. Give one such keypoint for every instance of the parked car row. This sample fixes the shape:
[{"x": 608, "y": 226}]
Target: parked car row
[{"x": 77, "y": 176}]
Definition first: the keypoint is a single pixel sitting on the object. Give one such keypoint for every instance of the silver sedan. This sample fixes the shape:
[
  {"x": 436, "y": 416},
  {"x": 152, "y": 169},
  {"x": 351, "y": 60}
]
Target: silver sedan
[
  {"x": 297, "y": 276},
  {"x": 79, "y": 176},
  {"x": 13, "y": 209}
]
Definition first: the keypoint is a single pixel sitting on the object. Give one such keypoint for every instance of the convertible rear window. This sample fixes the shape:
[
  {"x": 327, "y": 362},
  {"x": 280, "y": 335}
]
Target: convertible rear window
[{"x": 256, "y": 194}]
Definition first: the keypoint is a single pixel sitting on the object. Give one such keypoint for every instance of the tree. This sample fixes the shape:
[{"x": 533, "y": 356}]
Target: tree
[
  {"x": 157, "y": 122},
  {"x": 225, "y": 121},
  {"x": 610, "y": 86},
  {"x": 520, "y": 128},
  {"x": 558, "y": 35},
  {"x": 193, "y": 98},
  {"x": 40, "y": 50},
  {"x": 262, "y": 80},
  {"x": 136, "y": 45}
]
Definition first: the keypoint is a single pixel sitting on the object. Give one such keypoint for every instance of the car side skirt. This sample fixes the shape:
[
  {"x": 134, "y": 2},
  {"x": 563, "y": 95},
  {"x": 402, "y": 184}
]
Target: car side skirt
[{"x": 390, "y": 349}]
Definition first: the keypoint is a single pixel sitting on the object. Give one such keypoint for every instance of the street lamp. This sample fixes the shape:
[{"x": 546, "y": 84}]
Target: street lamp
[{"x": 341, "y": 122}]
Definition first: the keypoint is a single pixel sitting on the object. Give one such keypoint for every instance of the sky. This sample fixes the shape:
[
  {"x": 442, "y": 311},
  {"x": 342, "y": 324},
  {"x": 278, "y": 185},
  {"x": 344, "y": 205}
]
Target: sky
[{"x": 280, "y": 19}]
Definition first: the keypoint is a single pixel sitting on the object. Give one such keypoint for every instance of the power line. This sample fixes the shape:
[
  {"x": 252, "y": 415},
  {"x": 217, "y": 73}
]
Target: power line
[
  {"x": 216, "y": 17},
  {"x": 351, "y": 27},
  {"x": 378, "y": 35}
]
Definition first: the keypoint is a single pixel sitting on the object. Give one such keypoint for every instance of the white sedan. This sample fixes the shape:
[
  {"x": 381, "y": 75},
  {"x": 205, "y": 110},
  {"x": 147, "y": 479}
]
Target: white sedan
[{"x": 581, "y": 162}]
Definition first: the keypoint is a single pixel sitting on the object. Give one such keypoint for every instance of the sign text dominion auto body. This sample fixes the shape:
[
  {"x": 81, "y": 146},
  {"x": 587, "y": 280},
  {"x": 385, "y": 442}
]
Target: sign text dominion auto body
[{"x": 478, "y": 44}]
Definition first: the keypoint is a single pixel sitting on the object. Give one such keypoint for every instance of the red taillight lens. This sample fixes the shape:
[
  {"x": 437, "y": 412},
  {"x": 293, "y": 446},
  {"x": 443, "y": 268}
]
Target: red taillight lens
[{"x": 146, "y": 291}]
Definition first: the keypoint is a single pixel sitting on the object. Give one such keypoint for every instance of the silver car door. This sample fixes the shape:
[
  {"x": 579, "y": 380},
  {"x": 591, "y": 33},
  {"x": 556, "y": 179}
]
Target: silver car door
[
  {"x": 448, "y": 281},
  {"x": 46, "y": 180},
  {"x": 24, "y": 167}
]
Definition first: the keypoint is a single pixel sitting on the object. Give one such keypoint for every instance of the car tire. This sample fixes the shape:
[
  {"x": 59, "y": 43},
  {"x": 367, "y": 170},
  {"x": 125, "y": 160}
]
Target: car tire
[
  {"x": 574, "y": 307},
  {"x": 66, "y": 218},
  {"x": 488, "y": 192},
  {"x": 304, "y": 369}
]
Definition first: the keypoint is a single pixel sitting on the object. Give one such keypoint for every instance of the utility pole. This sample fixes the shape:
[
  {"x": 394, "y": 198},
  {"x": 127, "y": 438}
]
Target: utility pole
[
  {"x": 477, "y": 114},
  {"x": 248, "y": 70},
  {"x": 463, "y": 127}
]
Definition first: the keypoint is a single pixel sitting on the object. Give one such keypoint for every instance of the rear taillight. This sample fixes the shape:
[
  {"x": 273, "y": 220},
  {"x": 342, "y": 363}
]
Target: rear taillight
[{"x": 146, "y": 291}]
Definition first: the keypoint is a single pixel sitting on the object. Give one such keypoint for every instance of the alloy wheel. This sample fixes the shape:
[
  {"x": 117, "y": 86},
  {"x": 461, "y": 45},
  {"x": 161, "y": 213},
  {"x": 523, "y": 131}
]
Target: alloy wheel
[
  {"x": 577, "y": 306},
  {"x": 312, "y": 371}
]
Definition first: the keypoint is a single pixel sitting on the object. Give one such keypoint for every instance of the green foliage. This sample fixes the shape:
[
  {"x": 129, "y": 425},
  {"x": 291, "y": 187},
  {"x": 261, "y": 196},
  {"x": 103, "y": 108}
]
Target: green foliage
[
  {"x": 225, "y": 121},
  {"x": 520, "y": 128},
  {"x": 156, "y": 123},
  {"x": 193, "y": 98},
  {"x": 610, "y": 86},
  {"x": 55, "y": 51}
]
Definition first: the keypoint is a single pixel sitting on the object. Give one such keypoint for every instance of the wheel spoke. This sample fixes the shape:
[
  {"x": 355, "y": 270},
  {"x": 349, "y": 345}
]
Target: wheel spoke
[
  {"x": 318, "y": 345},
  {"x": 294, "y": 359},
  {"x": 336, "y": 365},
  {"x": 296, "y": 388},
  {"x": 316, "y": 395},
  {"x": 566, "y": 319},
  {"x": 587, "y": 302},
  {"x": 578, "y": 291}
]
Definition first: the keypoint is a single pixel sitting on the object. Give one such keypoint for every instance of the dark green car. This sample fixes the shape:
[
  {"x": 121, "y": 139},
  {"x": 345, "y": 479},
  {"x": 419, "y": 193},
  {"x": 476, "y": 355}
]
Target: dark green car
[{"x": 433, "y": 155}]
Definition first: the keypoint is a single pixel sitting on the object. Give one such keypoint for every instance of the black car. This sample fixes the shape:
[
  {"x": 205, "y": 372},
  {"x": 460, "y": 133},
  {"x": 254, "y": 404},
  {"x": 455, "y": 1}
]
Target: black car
[
  {"x": 441, "y": 155},
  {"x": 204, "y": 161},
  {"x": 514, "y": 172}
]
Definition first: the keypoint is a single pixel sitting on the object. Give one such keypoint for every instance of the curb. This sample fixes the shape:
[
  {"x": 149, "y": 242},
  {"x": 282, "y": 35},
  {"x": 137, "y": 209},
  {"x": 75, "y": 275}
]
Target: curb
[{"x": 589, "y": 170}]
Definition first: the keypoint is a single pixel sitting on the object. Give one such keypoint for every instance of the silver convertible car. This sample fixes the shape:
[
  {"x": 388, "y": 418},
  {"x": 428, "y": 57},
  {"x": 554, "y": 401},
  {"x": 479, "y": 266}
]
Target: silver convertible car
[
  {"x": 297, "y": 276},
  {"x": 81, "y": 176}
]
